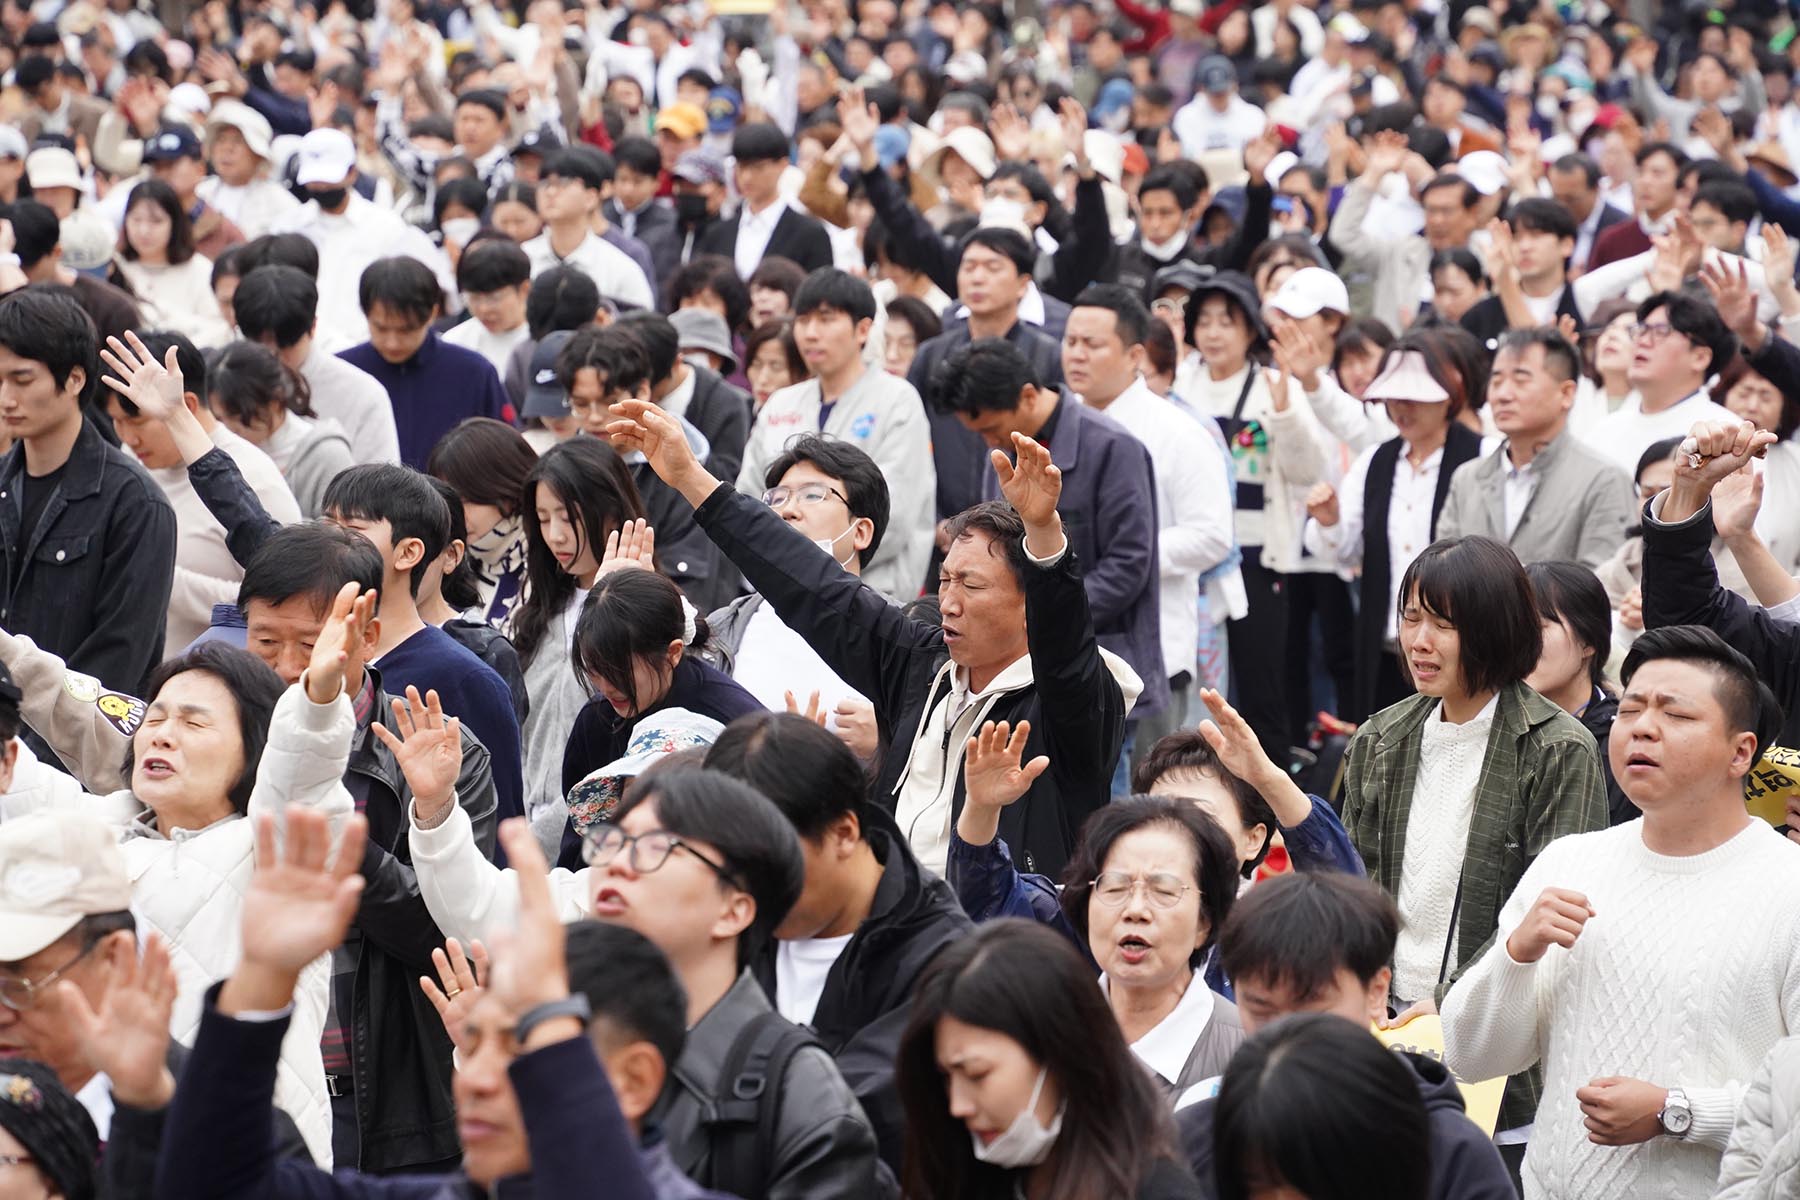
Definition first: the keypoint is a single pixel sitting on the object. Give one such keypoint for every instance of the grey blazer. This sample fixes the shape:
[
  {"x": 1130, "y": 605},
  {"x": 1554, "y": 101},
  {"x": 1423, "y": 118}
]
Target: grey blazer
[{"x": 1578, "y": 511}]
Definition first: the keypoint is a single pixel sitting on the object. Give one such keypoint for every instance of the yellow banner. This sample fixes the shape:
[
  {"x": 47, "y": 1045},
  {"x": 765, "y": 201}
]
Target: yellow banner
[
  {"x": 1425, "y": 1036},
  {"x": 1772, "y": 783}
]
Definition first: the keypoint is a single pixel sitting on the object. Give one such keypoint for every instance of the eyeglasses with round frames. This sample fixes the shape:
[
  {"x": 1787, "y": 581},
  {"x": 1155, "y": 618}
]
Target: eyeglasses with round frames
[
  {"x": 645, "y": 852},
  {"x": 1113, "y": 888}
]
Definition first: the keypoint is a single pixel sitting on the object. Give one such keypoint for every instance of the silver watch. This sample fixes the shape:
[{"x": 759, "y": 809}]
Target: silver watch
[{"x": 1677, "y": 1117}]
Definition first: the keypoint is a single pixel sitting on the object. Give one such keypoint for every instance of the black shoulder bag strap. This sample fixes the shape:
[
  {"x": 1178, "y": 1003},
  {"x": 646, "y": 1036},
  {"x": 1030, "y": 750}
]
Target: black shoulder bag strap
[{"x": 747, "y": 1110}]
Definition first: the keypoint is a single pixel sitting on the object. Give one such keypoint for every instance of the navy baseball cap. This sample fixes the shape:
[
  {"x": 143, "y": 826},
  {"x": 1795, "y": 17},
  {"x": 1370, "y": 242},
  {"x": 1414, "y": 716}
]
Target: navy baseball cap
[{"x": 176, "y": 141}]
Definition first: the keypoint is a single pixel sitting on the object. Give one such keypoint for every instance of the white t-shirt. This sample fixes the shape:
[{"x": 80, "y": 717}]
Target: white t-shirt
[
  {"x": 800, "y": 970},
  {"x": 772, "y": 660},
  {"x": 1625, "y": 434}
]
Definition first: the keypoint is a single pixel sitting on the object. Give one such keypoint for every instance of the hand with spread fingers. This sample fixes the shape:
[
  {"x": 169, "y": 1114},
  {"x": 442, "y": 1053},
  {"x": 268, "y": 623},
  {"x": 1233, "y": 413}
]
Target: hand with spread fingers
[
  {"x": 630, "y": 547},
  {"x": 1032, "y": 486},
  {"x": 342, "y": 636},
  {"x": 127, "y": 1040},
  {"x": 460, "y": 982},
  {"x": 429, "y": 751},
  {"x": 993, "y": 777}
]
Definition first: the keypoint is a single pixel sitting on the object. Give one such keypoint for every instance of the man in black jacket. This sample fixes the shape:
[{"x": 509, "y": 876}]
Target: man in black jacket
[
  {"x": 765, "y": 224},
  {"x": 1016, "y": 644}
]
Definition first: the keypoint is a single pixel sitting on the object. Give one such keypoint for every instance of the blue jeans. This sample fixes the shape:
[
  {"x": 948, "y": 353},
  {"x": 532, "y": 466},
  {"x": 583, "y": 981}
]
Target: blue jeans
[{"x": 1121, "y": 780}]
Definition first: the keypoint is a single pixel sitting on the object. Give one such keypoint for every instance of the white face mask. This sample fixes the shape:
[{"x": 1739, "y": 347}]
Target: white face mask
[
  {"x": 1165, "y": 251},
  {"x": 829, "y": 545},
  {"x": 458, "y": 230},
  {"x": 1025, "y": 1143}
]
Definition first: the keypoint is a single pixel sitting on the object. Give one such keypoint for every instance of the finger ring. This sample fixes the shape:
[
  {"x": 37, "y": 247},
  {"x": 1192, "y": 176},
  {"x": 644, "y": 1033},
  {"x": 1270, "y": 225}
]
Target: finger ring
[{"x": 453, "y": 993}]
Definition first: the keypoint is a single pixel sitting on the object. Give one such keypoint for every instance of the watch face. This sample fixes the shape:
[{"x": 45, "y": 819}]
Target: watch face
[{"x": 1677, "y": 1120}]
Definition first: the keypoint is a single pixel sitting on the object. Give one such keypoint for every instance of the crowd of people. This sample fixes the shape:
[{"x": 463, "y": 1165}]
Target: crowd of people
[{"x": 897, "y": 598}]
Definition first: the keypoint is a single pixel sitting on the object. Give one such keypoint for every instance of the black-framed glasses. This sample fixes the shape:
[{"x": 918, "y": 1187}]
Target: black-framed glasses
[
  {"x": 1656, "y": 332},
  {"x": 646, "y": 852},
  {"x": 21, "y": 995},
  {"x": 1114, "y": 888},
  {"x": 808, "y": 494}
]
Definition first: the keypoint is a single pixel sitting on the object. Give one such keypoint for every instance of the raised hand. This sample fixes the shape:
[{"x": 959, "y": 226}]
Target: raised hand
[
  {"x": 1556, "y": 918},
  {"x": 344, "y": 631},
  {"x": 857, "y": 727},
  {"x": 859, "y": 121},
  {"x": 1778, "y": 265},
  {"x": 1299, "y": 353},
  {"x": 1713, "y": 450},
  {"x": 429, "y": 751},
  {"x": 1737, "y": 499},
  {"x": 1032, "y": 487},
  {"x": 1259, "y": 152},
  {"x": 1322, "y": 504},
  {"x": 127, "y": 1040},
  {"x": 154, "y": 388},
  {"x": 461, "y": 979},
  {"x": 641, "y": 426},
  {"x": 1631, "y": 609},
  {"x": 628, "y": 548},
  {"x": 1728, "y": 281},
  {"x": 1011, "y": 133},
  {"x": 993, "y": 776},
  {"x": 811, "y": 712},
  {"x": 1074, "y": 121},
  {"x": 530, "y": 967},
  {"x": 1502, "y": 256},
  {"x": 1234, "y": 741},
  {"x": 1387, "y": 150}
]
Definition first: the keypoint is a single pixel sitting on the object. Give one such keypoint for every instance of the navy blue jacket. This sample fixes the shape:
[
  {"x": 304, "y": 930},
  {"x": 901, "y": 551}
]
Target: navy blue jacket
[
  {"x": 470, "y": 690},
  {"x": 433, "y": 391}
]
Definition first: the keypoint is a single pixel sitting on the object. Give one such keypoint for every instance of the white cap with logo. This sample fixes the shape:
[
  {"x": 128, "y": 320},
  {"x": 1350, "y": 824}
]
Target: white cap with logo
[
  {"x": 56, "y": 867},
  {"x": 326, "y": 156},
  {"x": 1311, "y": 290}
]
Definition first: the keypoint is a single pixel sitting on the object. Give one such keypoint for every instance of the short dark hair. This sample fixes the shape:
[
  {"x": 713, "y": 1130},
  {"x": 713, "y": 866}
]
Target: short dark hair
[
  {"x": 181, "y": 227},
  {"x": 615, "y": 354},
  {"x": 488, "y": 98},
  {"x": 779, "y": 274},
  {"x": 560, "y": 299},
  {"x": 1215, "y": 865},
  {"x": 809, "y": 773},
  {"x": 658, "y": 337},
  {"x": 1009, "y": 244},
  {"x": 403, "y": 285},
  {"x": 1698, "y": 321},
  {"x": 759, "y": 141},
  {"x": 1750, "y": 706},
  {"x": 187, "y": 357},
  {"x": 48, "y": 325},
  {"x": 36, "y": 231},
  {"x": 1460, "y": 258},
  {"x": 279, "y": 250},
  {"x": 757, "y": 844},
  {"x": 485, "y": 461},
  {"x": 468, "y": 192},
  {"x": 986, "y": 375},
  {"x": 1477, "y": 584},
  {"x": 1296, "y": 931},
  {"x": 1650, "y": 149},
  {"x": 33, "y": 72},
  {"x": 640, "y": 154},
  {"x": 1450, "y": 179},
  {"x": 1590, "y": 170},
  {"x": 493, "y": 266},
  {"x": 1130, "y": 316},
  {"x": 914, "y": 313},
  {"x": 1188, "y": 750},
  {"x": 1165, "y": 177},
  {"x": 865, "y": 487},
  {"x": 276, "y": 300},
  {"x": 1655, "y": 452},
  {"x": 402, "y": 497},
  {"x": 254, "y": 689},
  {"x": 1539, "y": 214},
  {"x": 1562, "y": 360},
  {"x": 831, "y": 288},
  {"x": 632, "y": 991},
  {"x": 1732, "y": 198},
  {"x": 570, "y": 164},
  {"x": 716, "y": 274},
  {"x": 314, "y": 559},
  {"x": 1569, "y": 593},
  {"x": 996, "y": 521}
]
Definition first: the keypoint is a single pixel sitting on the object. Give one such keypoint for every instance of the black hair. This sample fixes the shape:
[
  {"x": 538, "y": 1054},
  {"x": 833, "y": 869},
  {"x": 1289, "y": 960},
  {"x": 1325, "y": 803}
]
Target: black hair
[
  {"x": 865, "y": 487},
  {"x": 1450, "y": 179},
  {"x": 1164, "y": 177},
  {"x": 187, "y": 357},
  {"x": 247, "y": 381},
  {"x": 716, "y": 274},
  {"x": 1590, "y": 170},
  {"x": 1733, "y": 199},
  {"x": 810, "y": 774},
  {"x": 36, "y": 231},
  {"x": 996, "y": 521},
  {"x": 657, "y": 337},
  {"x": 276, "y": 300},
  {"x": 470, "y": 194},
  {"x": 254, "y": 688},
  {"x": 572, "y": 164},
  {"x": 279, "y": 249},
  {"x": 914, "y": 313},
  {"x": 1477, "y": 584},
  {"x": 1561, "y": 359},
  {"x": 1025, "y": 981},
  {"x": 49, "y": 325},
  {"x": 33, "y": 72},
  {"x": 781, "y": 332},
  {"x": 485, "y": 461},
  {"x": 1462, "y": 259},
  {"x": 314, "y": 559},
  {"x": 986, "y": 375},
  {"x": 1010, "y": 244},
  {"x": 1131, "y": 318},
  {"x": 600, "y": 160},
  {"x": 841, "y": 291},
  {"x": 630, "y": 986},
  {"x": 759, "y": 141},
  {"x": 1540, "y": 214},
  {"x": 403, "y": 285},
  {"x": 1188, "y": 750},
  {"x": 1360, "y": 335},
  {"x": 1655, "y": 452},
  {"x": 458, "y": 587},
  {"x": 1315, "y": 1103},
  {"x": 147, "y": 58},
  {"x": 181, "y": 228},
  {"x": 757, "y": 844},
  {"x": 488, "y": 98},
  {"x": 640, "y": 154},
  {"x": 1749, "y": 704},
  {"x": 777, "y": 273},
  {"x": 627, "y": 616},
  {"x": 560, "y": 299},
  {"x": 1649, "y": 149},
  {"x": 1570, "y": 593},
  {"x": 402, "y": 497},
  {"x": 495, "y": 265},
  {"x": 1698, "y": 321},
  {"x": 596, "y": 488},
  {"x": 1702, "y": 171},
  {"x": 1215, "y": 863},
  {"x": 1297, "y": 930},
  {"x": 615, "y": 355},
  {"x": 516, "y": 192}
]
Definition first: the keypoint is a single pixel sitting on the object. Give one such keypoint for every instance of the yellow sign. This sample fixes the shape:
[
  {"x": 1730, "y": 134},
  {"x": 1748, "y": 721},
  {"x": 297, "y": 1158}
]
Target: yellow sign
[
  {"x": 1425, "y": 1036},
  {"x": 743, "y": 8},
  {"x": 1773, "y": 782}
]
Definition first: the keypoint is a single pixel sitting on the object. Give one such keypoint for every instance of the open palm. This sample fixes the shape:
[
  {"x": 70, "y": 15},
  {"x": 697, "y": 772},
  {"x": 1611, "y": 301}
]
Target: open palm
[
  {"x": 154, "y": 388},
  {"x": 301, "y": 898},
  {"x": 428, "y": 749},
  {"x": 127, "y": 1040},
  {"x": 1033, "y": 485},
  {"x": 992, "y": 772}
]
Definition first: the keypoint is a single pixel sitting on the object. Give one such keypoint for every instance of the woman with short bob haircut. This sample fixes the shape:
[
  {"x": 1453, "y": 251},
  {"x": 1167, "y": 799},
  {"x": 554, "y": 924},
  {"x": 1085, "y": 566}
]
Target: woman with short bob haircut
[
  {"x": 1017, "y": 1082},
  {"x": 1313, "y": 1106},
  {"x": 1450, "y": 794}
]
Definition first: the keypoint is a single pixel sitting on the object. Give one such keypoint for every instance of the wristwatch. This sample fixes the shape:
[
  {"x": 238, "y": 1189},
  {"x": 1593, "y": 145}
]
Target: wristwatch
[
  {"x": 575, "y": 1005},
  {"x": 1677, "y": 1117}
]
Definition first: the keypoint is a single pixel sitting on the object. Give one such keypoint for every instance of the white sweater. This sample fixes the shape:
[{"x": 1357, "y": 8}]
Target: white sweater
[
  {"x": 1686, "y": 975},
  {"x": 180, "y": 298}
]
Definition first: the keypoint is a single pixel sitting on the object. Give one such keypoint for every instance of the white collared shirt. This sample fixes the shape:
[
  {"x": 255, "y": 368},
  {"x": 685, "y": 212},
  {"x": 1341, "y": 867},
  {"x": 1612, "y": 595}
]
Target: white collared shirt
[
  {"x": 754, "y": 231},
  {"x": 1166, "y": 1047},
  {"x": 1031, "y": 307},
  {"x": 680, "y": 396},
  {"x": 1516, "y": 491},
  {"x": 1408, "y": 524},
  {"x": 611, "y": 269}
]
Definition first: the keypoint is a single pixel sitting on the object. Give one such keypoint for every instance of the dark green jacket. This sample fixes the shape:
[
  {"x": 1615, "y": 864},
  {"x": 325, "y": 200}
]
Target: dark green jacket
[{"x": 1540, "y": 780}]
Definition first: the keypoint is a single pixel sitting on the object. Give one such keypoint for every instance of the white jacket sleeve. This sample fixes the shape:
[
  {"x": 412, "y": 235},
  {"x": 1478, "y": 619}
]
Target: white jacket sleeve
[
  {"x": 1343, "y": 415},
  {"x": 1492, "y": 1021},
  {"x": 903, "y": 452},
  {"x": 1343, "y": 542},
  {"x": 1762, "y": 1159},
  {"x": 305, "y": 759},
  {"x": 468, "y": 896},
  {"x": 1297, "y": 443}
]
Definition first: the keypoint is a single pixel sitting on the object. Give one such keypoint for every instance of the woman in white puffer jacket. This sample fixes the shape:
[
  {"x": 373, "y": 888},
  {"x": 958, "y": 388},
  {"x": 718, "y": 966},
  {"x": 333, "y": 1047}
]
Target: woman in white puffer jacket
[
  {"x": 1762, "y": 1161},
  {"x": 217, "y": 741}
]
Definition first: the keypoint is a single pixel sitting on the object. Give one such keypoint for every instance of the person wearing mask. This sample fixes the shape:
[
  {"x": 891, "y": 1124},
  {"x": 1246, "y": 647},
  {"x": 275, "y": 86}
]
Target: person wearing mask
[
  {"x": 486, "y": 463},
  {"x": 350, "y": 233},
  {"x": 1571, "y": 671},
  {"x": 241, "y": 187},
  {"x": 494, "y": 277},
  {"x": 206, "y": 575},
  {"x": 1004, "y": 1081},
  {"x": 1642, "y": 915},
  {"x": 1679, "y": 346},
  {"x": 699, "y": 194},
  {"x": 158, "y": 259},
  {"x": 860, "y": 404},
  {"x": 480, "y": 127},
  {"x": 1438, "y": 786},
  {"x": 431, "y": 384},
  {"x": 1543, "y": 492},
  {"x": 1170, "y": 200},
  {"x": 1653, "y": 192},
  {"x": 569, "y": 195},
  {"x": 277, "y": 306},
  {"x": 765, "y": 224}
]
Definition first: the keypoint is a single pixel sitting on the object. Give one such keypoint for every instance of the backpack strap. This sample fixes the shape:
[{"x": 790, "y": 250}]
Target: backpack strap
[{"x": 746, "y": 1112}]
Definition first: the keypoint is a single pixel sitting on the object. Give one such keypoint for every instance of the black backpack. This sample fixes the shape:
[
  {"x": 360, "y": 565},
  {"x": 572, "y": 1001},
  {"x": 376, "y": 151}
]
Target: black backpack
[{"x": 742, "y": 1129}]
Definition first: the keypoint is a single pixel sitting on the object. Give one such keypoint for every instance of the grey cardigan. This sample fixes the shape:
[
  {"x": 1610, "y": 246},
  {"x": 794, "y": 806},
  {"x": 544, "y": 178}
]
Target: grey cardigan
[{"x": 1578, "y": 511}]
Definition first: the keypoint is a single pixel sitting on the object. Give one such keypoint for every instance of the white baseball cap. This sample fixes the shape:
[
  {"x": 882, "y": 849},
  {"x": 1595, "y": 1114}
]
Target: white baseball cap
[
  {"x": 57, "y": 866},
  {"x": 52, "y": 167},
  {"x": 326, "y": 156},
  {"x": 1311, "y": 290},
  {"x": 1484, "y": 170}
]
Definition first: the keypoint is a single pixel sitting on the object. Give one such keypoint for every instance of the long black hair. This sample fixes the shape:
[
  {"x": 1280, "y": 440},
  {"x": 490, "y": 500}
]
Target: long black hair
[
  {"x": 254, "y": 689},
  {"x": 631, "y": 614},
  {"x": 1573, "y": 595},
  {"x": 595, "y": 486},
  {"x": 1025, "y": 981}
]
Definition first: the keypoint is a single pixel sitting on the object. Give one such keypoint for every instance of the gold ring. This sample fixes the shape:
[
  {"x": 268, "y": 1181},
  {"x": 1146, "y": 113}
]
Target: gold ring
[{"x": 453, "y": 993}]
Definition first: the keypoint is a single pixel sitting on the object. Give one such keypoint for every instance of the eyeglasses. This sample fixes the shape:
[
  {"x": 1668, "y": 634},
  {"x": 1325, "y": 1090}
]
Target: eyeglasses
[
  {"x": 21, "y": 995},
  {"x": 1170, "y": 306},
  {"x": 1656, "y": 333},
  {"x": 646, "y": 852},
  {"x": 808, "y": 494},
  {"x": 1113, "y": 888},
  {"x": 16, "y": 1160}
]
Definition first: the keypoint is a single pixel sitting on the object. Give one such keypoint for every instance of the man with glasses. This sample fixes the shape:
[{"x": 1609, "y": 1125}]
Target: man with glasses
[{"x": 1679, "y": 347}]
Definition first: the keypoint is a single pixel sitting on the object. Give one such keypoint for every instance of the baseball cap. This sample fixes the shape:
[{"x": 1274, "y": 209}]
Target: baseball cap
[
  {"x": 967, "y": 143},
  {"x": 56, "y": 867},
  {"x": 544, "y": 395},
  {"x": 174, "y": 142},
  {"x": 1183, "y": 273},
  {"x": 723, "y": 108},
  {"x": 12, "y": 143},
  {"x": 1407, "y": 378},
  {"x": 1484, "y": 169},
  {"x": 701, "y": 329},
  {"x": 1308, "y": 291},
  {"x": 658, "y": 735},
  {"x": 682, "y": 120},
  {"x": 88, "y": 241},
  {"x": 52, "y": 167},
  {"x": 1216, "y": 74},
  {"x": 699, "y": 166},
  {"x": 188, "y": 100},
  {"x": 326, "y": 156},
  {"x": 246, "y": 120},
  {"x": 539, "y": 141}
]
